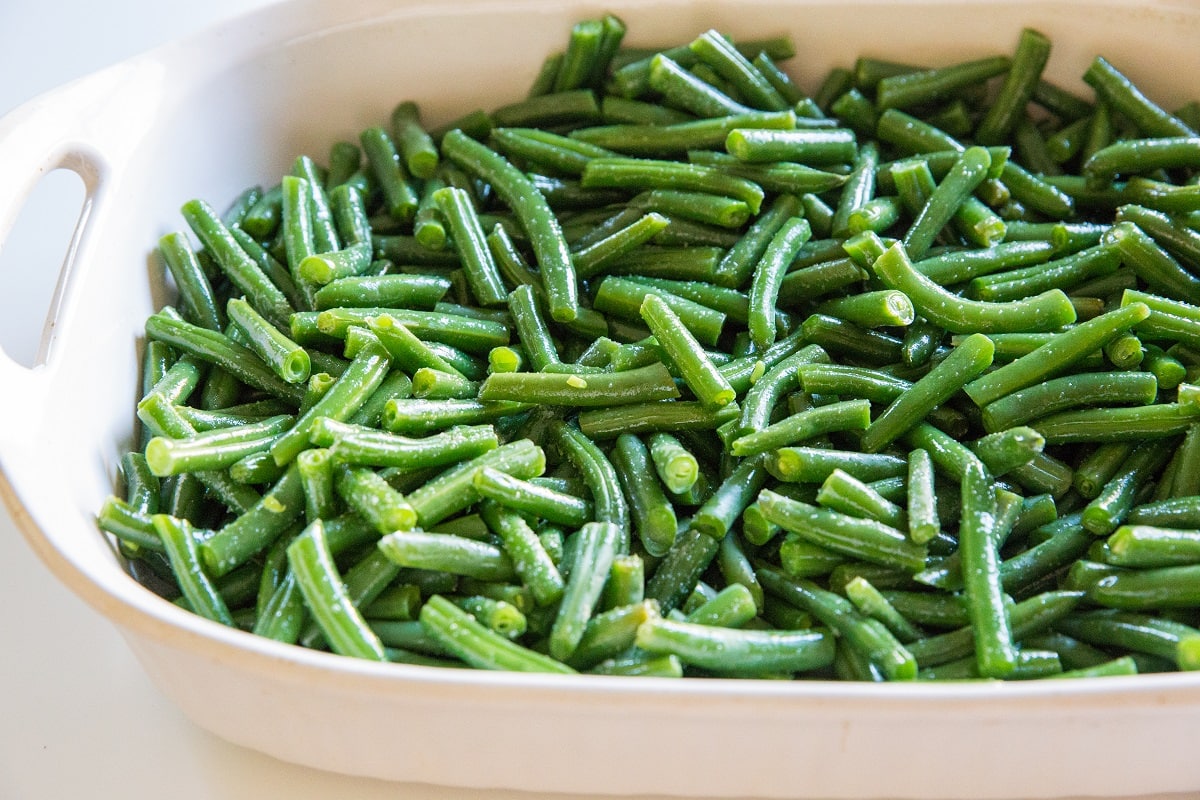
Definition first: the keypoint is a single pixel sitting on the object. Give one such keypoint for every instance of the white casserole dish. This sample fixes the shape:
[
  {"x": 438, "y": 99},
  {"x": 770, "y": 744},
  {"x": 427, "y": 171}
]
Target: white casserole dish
[{"x": 210, "y": 115}]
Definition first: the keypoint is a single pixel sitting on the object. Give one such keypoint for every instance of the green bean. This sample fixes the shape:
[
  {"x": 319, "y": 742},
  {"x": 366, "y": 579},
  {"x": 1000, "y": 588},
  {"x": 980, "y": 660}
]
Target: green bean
[
  {"x": 475, "y": 335},
  {"x": 625, "y": 297},
  {"x": 683, "y": 90},
  {"x": 907, "y": 89},
  {"x": 284, "y": 613},
  {"x": 390, "y": 172},
  {"x": 177, "y": 382},
  {"x": 217, "y": 348},
  {"x": 316, "y": 477},
  {"x": 235, "y": 263},
  {"x": 957, "y": 266},
  {"x": 676, "y": 137},
  {"x": 863, "y": 539},
  {"x": 678, "y": 263},
  {"x": 1147, "y": 546},
  {"x": 321, "y": 268},
  {"x": 212, "y": 450},
  {"x": 496, "y": 615},
  {"x": 1118, "y": 91},
  {"x": 1028, "y": 664},
  {"x": 1032, "y": 53},
  {"x": 142, "y": 486},
  {"x": 453, "y": 489},
  {"x": 878, "y": 214},
  {"x": 254, "y": 469},
  {"x": 782, "y": 177},
  {"x": 180, "y": 543},
  {"x": 871, "y": 602},
  {"x": 1033, "y": 615},
  {"x": 1059, "y": 101},
  {"x": 732, "y": 607},
  {"x": 1181, "y": 511},
  {"x": 645, "y": 173},
  {"x": 198, "y": 303},
  {"x": 866, "y": 635},
  {"x": 680, "y": 570},
  {"x": 1046, "y": 311},
  {"x": 1055, "y": 356},
  {"x": 297, "y": 227},
  {"x": 349, "y": 392},
  {"x": 1160, "y": 271},
  {"x": 946, "y": 199},
  {"x": 468, "y": 640},
  {"x": 415, "y": 417},
  {"x": 344, "y": 160},
  {"x": 768, "y": 278},
  {"x": 326, "y": 597},
  {"x": 324, "y": 233},
  {"x": 733, "y": 650},
  {"x": 1110, "y": 424},
  {"x": 1173, "y": 641},
  {"x": 722, "y": 509},
  {"x": 611, "y": 633},
  {"x": 720, "y": 54},
  {"x": 966, "y": 362},
  {"x": 1113, "y": 500},
  {"x": 697, "y": 206},
  {"x": 935, "y": 610},
  {"x": 484, "y": 279},
  {"x": 594, "y": 258},
  {"x": 609, "y": 502},
  {"x": 550, "y": 249},
  {"x": 949, "y": 455},
  {"x": 256, "y": 528},
  {"x": 814, "y": 465},
  {"x": 597, "y": 547},
  {"x": 444, "y": 552},
  {"x": 1045, "y": 474},
  {"x": 730, "y": 302},
  {"x": 405, "y": 350},
  {"x": 846, "y": 494},
  {"x": 921, "y": 498},
  {"x": 163, "y": 419},
  {"x": 1165, "y": 197},
  {"x": 1063, "y": 273},
  {"x": 651, "y": 513},
  {"x": 848, "y": 415},
  {"x": 1124, "y": 665},
  {"x": 415, "y": 146},
  {"x": 585, "y": 389},
  {"x": 372, "y": 497},
  {"x": 1140, "y": 156},
  {"x": 811, "y": 147},
  {"x": 682, "y": 350},
  {"x": 529, "y": 557},
  {"x": 1006, "y": 450},
  {"x": 530, "y": 498},
  {"x": 780, "y": 378},
  {"x": 995, "y": 655},
  {"x": 289, "y": 360},
  {"x": 800, "y": 558},
  {"x": 676, "y": 467}
]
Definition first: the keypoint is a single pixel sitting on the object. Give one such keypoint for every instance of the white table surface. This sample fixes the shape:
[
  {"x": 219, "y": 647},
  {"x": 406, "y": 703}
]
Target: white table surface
[{"x": 77, "y": 716}]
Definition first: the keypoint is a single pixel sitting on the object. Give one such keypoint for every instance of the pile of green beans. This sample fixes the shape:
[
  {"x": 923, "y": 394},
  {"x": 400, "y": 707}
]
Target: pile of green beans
[{"x": 672, "y": 368}]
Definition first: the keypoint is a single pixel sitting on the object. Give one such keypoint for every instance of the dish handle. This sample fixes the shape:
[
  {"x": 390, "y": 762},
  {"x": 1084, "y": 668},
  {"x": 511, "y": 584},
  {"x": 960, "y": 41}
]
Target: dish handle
[{"x": 92, "y": 127}]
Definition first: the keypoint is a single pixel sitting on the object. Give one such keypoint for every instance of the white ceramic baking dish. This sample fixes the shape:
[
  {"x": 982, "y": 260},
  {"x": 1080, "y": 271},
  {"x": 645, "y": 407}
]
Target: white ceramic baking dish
[{"x": 210, "y": 115}]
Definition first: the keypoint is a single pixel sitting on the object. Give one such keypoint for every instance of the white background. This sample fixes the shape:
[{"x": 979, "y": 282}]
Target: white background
[{"x": 77, "y": 717}]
